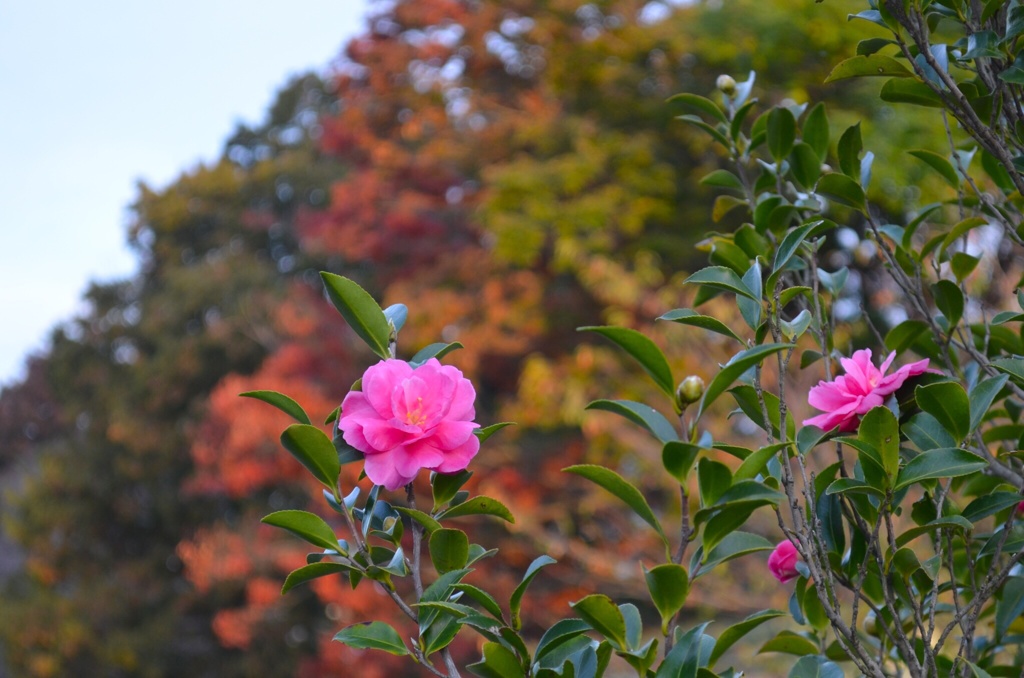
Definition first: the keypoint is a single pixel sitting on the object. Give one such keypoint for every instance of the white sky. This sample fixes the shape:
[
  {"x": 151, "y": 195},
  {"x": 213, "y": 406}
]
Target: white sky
[{"x": 94, "y": 96}]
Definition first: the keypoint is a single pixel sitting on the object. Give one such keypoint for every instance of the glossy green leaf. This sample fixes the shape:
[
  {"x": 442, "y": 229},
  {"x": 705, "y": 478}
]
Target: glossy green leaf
[
  {"x": 849, "y": 150},
  {"x": 698, "y": 103},
  {"x": 424, "y": 519},
  {"x": 723, "y": 523},
  {"x": 949, "y": 404},
  {"x": 1010, "y": 607},
  {"x": 686, "y": 316},
  {"x": 720, "y": 278},
  {"x": 781, "y": 131},
  {"x": 315, "y": 451},
  {"x": 444, "y": 486},
  {"x": 938, "y": 163},
  {"x": 281, "y": 402},
  {"x": 949, "y": 462},
  {"x": 722, "y": 179},
  {"x": 852, "y": 485},
  {"x": 815, "y": 666},
  {"x": 558, "y": 635},
  {"x": 372, "y": 636},
  {"x": 815, "y": 131},
  {"x": 644, "y": 415},
  {"x": 734, "y": 545},
  {"x": 950, "y": 300},
  {"x": 668, "y": 585},
  {"x": 449, "y": 549},
  {"x": 927, "y": 433},
  {"x": 486, "y": 432},
  {"x": 983, "y": 395},
  {"x": 789, "y": 643},
  {"x": 618, "y": 486},
  {"x": 644, "y": 351},
  {"x": 360, "y": 311},
  {"x": 787, "y": 248},
  {"x": 478, "y": 506},
  {"x": 604, "y": 616},
  {"x": 306, "y": 525},
  {"x": 313, "y": 571},
  {"x": 841, "y": 189},
  {"x": 497, "y": 662},
  {"x": 755, "y": 463},
  {"x": 949, "y": 522},
  {"x": 868, "y": 65},
  {"x": 804, "y": 165},
  {"x": 909, "y": 91},
  {"x": 438, "y": 351},
  {"x": 678, "y": 458},
  {"x": 905, "y": 335},
  {"x": 990, "y": 504},
  {"x": 713, "y": 480},
  {"x": 734, "y": 633},
  {"x": 880, "y": 429},
  {"x": 963, "y": 264},
  {"x": 516, "y": 600},
  {"x": 731, "y": 371}
]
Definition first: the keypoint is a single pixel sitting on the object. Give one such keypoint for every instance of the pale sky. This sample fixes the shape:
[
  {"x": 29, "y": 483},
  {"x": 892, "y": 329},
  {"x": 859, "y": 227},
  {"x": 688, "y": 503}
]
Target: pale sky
[{"x": 95, "y": 96}]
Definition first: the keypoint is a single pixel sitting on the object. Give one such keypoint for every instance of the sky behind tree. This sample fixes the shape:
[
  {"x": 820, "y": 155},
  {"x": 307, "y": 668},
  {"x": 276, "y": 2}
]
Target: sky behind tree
[{"x": 98, "y": 97}]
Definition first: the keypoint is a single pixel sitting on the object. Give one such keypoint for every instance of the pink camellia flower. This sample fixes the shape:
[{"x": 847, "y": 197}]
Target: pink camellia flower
[
  {"x": 409, "y": 419},
  {"x": 782, "y": 561},
  {"x": 1020, "y": 508},
  {"x": 855, "y": 393}
]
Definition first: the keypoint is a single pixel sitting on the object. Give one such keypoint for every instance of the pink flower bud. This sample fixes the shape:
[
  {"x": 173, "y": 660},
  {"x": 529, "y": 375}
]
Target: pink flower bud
[{"x": 782, "y": 562}]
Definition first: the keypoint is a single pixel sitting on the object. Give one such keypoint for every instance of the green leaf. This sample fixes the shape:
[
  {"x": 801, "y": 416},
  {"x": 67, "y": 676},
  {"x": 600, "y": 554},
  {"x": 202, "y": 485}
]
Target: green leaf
[
  {"x": 781, "y": 132},
  {"x": 852, "y": 485},
  {"x": 516, "y": 601},
  {"x": 644, "y": 351},
  {"x": 281, "y": 402},
  {"x": 927, "y": 433},
  {"x": 699, "y": 104},
  {"x": 678, "y": 458},
  {"x": 949, "y": 522},
  {"x": 989, "y": 504},
  {"x": 949, "y": 462},
  {"x": 746, "y": 398},
  {"x": 960, "y": 230},
  {"x": 444, "y": 486},
  {"x": 478, "y": 506},
  {"x": 815, "y": 666},
  {"x": 668, "y": 585},
  {"x": 880, "y": 429},
  {"x": 713, "y": 479},
  {"x": 950, "y": 300},
  {"x": 1011, "y": 366},
  {"x": 618, "y": 486},
  {"x": 938, "y": 163},
  {"x": 733, "y": 545},
  {"x": 815, "y": 131},
  {"x": 641, "y": 414},
  {"x": 315, "y": 451},
  {"x": 487, "y": 431},
  {"x": 731, "y": 635},
  {"x": 438, "y": 351},
  {"x": 805, "y": 165},
  {"x": 312, "y": 571},
  {"x": 982, "y": 396},
  {"x": 868, "y": 65},
  {"x": 424, "y": 519},
  {"x": 686, "y": 316},
  {"x": 720, "y": 278},
  {"x": 849, "y": 149},
  {"x": 373, "y": 636},
  {"x": 449, "y": 549},
  {"x": 360, "y": 311},
  {"x": 963, "y": 264},
  {"x": 787, "y": 248},
  {"x": 560, "y": 633},
  {"x": 497, "y": 662},
  {"x": 755, "y": 463},
  {"x": 731, "y": 371},
  {"x": 841, "y": 189},
  {"x": 723, "y": 523},
  {"x": 306, "y": 525},
  {"x": 1011, "y": 606},
  {"x": 722, "y": 179},
  {"x": 948, "y": 403},
  {"x": 789, "y": 643},
  {"x": 909, "y": 91},
  {"x": 905, "y": 335},
  {"x": 604, "y": 616}
]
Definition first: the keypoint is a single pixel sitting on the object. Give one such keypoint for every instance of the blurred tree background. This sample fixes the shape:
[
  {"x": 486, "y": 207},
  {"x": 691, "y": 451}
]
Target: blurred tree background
[{"x": 510, "y": 171}]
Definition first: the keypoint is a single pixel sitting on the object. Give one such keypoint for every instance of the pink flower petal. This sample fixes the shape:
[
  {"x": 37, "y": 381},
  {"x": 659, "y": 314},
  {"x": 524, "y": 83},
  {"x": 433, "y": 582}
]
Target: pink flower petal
[
  {"x": 381, "y": 470},
  {"x": 458, "y": 459},
  {"x": 381, "y": 380}
]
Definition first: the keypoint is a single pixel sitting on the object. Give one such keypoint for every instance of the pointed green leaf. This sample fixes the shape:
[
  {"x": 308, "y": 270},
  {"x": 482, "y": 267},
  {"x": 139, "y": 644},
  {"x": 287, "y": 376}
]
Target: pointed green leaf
[
  {"x": 449, "y": 549},
  {"x": 731, "y": 371},
  {"x": 604, "y": 616},
  {"x": 731, "y": 635},
  {"x": 938, "y": 163},
  {"x": 880, "y": 429},
  {"x": 618, "y": 486},
  {"x": 849, "y": 149},
  {"x": 949, "y": 522},
  {"x": 641, "y": 414},
  {"x": 949, "y": 462},
  {"x": 516, "y": 601},
  {"x": 787, "y": 248},
  {"x": 497, "y": 662},
  {"x": 313, "y": 571},
  {"x": 360, "y": 311},
  {"x": 789, "y": 643},
  {"x": 487, "y": 431},
  {"x": 479, "y": 506},
  {"x": 438, "y": 351},
  {"x": 781, "y": 132},
  {"x": 281, "y": 402},
  {"x": 373, "y": 636},
  {"x": 315, "y": 451},
  {"x": 668, "y": 585},
  {"x": 815, "y": 131},
  {"x": 982, "y": 396},
  {"x": 868, "y": 65},
  {"x": 927, "y": 433},
  {"x": 909, "y": 91},
  {"x": 686, "y": 316},
  {"x": 678, "y": 458},
  {"x": 720, "y": 278},
  {"x": 700, "y": 104},
  {"x": 734, "y": 545},
  {"x": 948, "y": 403},
  {"x": 815, "y": 666},
  {"x": 841, "y": 189},
  {"x": 644, "y": 351},
  {"x": 306, "y": 525}
]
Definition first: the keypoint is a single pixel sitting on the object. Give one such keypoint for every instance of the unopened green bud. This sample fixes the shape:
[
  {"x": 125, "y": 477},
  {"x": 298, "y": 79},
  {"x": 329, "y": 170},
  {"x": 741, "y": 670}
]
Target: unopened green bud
[
  {"x": 690, "y": 390},
  {"x": 726, "y": 85}
]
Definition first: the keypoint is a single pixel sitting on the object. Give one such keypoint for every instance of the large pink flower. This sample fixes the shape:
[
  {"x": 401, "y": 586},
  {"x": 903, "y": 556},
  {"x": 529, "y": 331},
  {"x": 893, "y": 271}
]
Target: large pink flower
[
  {"x": 855, "y": 393},
  {"x": 405, "y": 420},
  {"x": 782, "y": 561}
]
